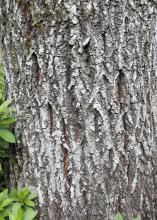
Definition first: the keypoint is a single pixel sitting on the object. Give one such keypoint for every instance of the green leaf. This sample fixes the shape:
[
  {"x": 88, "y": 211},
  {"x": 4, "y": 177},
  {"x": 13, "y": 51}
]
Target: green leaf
[
  {"x": 6, "y": 212},
  {"x": 15, "y": 208},
  {"x": 29, "y": 214},
  {"x": 7, "y": 136},
  {"x": 1, "y": 167},
  {"x": 118, "y": 217},
  {"x": 17, "y": 212},
  {"x": 13, "y": 193},
  {"x": 20, "y": 194},
  {"x": 3, "y": 144},
  {"x": 29, "y": 202},
  {"x": 4, "y": 195},
  {"x": 7, "y": 121},
  {"x": 6, "y": 202},
  {"x": 32, "y": 196},
  {"x": 4, "y": 105},
  {"x": 20, "y": 214},
  {"x": 25, "y": 191},
  {"x": 12, "y": 217}
]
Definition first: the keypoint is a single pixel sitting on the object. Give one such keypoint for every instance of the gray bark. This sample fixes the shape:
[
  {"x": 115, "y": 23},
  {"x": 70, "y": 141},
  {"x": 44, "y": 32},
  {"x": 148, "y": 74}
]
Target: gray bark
[{"x": 83, "y": 78}]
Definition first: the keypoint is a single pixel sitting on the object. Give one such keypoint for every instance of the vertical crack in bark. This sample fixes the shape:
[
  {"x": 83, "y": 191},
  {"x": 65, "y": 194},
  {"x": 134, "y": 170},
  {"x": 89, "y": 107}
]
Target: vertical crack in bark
[
  {"x": 121, "y": 90},
  {"x": 26, "y": 10},
  {"x": 51, "y": 117},
  {"x": 36, "y": 69},
  {"x": 65, "y": 150}
]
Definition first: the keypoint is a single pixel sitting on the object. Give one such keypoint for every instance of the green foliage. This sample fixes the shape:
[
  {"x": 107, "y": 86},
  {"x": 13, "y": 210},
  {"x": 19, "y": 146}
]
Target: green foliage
[
  {"x": 6, "y": 136},
  {"x": 1, "y": 83},
  {"x": 118, "y": 216},
  {"x": 17, "y": 205},
  {"x": 5, "y": 202},
  {"x": 24, "y": 197},
  {"x": 18, "y": 213}
]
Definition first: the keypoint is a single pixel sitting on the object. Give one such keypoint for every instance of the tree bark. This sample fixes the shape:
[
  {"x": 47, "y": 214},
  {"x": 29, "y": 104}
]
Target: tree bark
[{"x": 83, "y": 78}]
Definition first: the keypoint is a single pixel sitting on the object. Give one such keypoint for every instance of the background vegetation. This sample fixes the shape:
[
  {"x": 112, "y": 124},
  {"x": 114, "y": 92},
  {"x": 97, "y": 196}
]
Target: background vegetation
[{"x": 15, "y": 204}]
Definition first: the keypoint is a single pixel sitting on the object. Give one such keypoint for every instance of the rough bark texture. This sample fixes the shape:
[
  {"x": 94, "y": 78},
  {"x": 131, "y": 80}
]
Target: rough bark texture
[{"x": 83, "y": 76}]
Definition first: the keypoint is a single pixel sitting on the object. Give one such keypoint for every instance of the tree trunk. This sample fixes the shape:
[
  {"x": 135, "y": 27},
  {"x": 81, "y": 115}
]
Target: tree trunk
[{"x": 83, "y": 78}]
